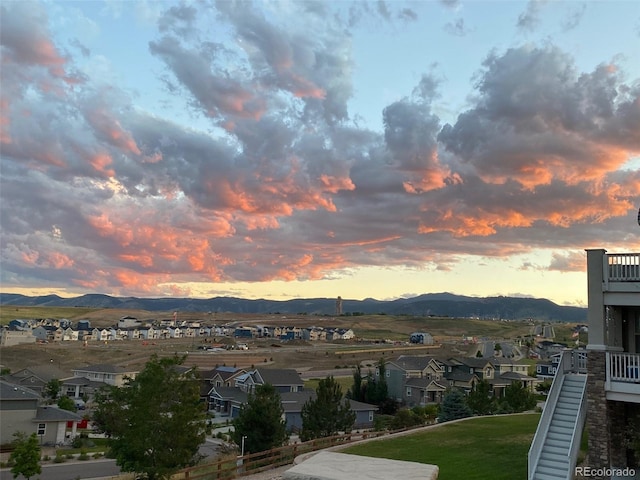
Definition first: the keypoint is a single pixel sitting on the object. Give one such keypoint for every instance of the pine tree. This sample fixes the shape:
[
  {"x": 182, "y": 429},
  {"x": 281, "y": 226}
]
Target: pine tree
[
  {"x": 327, "y": 414},
  {"x": 260, "y": 421},
  {"x": 454, "y": 406},
  {"x": 480, "y": 399}
]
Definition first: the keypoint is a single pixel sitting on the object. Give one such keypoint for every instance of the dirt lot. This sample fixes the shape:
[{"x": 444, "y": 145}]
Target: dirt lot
[{"x": 299, "y": 354}]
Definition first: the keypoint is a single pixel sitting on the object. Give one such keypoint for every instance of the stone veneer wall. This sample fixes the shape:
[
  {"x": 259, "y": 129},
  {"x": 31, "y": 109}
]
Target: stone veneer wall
[
  {"x": 606, "y": 420},
  {"x": 597, "y": 412}
]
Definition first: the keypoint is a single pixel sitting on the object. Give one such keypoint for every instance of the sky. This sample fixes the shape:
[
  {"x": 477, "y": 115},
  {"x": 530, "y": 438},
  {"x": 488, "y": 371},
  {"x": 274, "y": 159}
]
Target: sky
[{"x": 290, "y": 149}]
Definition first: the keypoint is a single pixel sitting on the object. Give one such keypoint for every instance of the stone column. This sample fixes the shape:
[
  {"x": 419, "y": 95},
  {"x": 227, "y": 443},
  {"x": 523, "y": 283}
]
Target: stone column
[{"x": 598, "y": 413}]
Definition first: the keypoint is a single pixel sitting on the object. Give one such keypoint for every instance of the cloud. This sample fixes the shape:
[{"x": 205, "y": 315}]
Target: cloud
[{"x": 281, "y": 183}]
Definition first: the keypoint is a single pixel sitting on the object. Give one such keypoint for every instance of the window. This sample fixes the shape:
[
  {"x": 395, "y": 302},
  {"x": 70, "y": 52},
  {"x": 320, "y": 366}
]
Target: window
[
  {"x": 371, "y": 416},
  {"x": 388, "y": 373},
  {"x": 42, "y": 428},
  {"x": 408, "y": 391}
]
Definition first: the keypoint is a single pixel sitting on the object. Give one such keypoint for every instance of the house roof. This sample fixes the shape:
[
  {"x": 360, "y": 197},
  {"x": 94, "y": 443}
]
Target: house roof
[
  {"x": 54, "y": 414},
  {"x": 83, "y": 381},
  {"x": 413, "y": 362},
  {"x": 10, "y": 391},
  {"x": 294, "y": 401},
  {"x": 230, "y": 393},
  {"x": 44, "y": 372},
  {"x": 104, "y": 368},
  {"x": 280, "y": 376},
  {"x": 459, "y": 376},
  {"x": 426, "y": 383}
]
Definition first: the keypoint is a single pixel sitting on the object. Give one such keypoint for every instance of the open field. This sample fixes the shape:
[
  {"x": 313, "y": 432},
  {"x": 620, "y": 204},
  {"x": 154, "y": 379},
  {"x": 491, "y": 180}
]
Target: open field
[
  {"x": 479, "y": 448},
  {"x": 299, "y": 354},
  {"x": 9, "y": 312}
]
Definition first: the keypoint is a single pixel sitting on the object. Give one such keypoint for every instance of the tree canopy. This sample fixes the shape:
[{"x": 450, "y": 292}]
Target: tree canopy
[
  {"x": 25, "y": 455},
  {"x": 260, "y": 421},
  {"x": 481, "y": 400},
  {"x": 156, "y": 421},
  {"x": 454, "y": 406},
  {"x": 328, "y": 413}
]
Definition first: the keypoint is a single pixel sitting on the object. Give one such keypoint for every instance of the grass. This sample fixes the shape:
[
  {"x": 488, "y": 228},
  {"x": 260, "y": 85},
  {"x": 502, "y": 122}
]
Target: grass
[
  {"x": 479, "y": 448},
  {"x": 345, "y": 383}
]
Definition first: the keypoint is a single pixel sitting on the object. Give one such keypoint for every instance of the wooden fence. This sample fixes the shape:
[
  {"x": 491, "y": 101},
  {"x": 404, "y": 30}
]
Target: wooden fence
[{"x": 258, "y": 462}]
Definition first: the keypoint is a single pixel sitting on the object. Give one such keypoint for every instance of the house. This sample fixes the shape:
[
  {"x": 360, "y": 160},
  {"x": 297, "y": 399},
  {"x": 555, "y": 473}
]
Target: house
[
  {"x": 402, "y": 375},
  {"x": 599, "y": 387},
  {"x": 47, "y": 333},
  {"x": 80, "y": 387},
  {"x": 282, "y": 379},
  {"x": 105, "y": 373},
  {"x": 20, "y": 410},
  {"x": 423, "y": 391},
  {"x": 613, "y": 356},
  {"x": 292, "y": 403},
  {"x": 546, "y": 370},
  {"x": 421, "y": 337},
  {"x": 36, "y": 377}
]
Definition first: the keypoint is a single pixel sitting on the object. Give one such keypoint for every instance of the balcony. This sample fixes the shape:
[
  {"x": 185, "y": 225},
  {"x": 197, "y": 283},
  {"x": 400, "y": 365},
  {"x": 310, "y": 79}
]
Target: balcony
[
  {"x": 623, "y": 377},
  {"x": 622, "y": 267}
]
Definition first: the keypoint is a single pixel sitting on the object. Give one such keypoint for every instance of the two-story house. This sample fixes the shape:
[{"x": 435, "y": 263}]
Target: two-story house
[
  {"x": 415, "y": 380},
  {"x": 105, "y": 373}
]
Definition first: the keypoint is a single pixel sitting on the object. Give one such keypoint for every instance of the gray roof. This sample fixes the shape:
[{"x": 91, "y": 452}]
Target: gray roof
[
  {"x": 294, "y": 401},
  {"x": 280, "y": 376},
  {"x": 424, "y": 383},
  {"x": 55, "y": 414},
  {"x": 9, "y": 391},
  {"x": 83, "y": 381},
  {"x": 413, "y": 362},
  {"x": 233, "y": 394},
  {"x": 104, "y": 368}
]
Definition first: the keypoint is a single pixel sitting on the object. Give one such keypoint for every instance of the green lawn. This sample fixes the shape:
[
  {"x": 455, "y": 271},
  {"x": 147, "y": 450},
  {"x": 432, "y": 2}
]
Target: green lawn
[{"x": 479, "y": 448}]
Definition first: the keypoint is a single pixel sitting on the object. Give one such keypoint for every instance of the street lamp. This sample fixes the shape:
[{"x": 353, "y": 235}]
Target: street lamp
[
  {"x": 242, "y": 446},
  {"x": 240, "y": 460}
]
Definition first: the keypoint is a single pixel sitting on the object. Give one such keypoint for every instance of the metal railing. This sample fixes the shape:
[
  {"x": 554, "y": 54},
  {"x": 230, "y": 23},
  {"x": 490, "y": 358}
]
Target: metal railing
[{"x": 571, "y": 361}]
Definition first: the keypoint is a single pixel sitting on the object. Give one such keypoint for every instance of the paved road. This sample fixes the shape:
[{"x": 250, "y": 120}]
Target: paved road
[{"x": 103, "y": 468}]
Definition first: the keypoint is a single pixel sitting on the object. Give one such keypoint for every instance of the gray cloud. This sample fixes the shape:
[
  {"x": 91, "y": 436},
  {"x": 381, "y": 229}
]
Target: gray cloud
[{"x": 99, "y": 194}]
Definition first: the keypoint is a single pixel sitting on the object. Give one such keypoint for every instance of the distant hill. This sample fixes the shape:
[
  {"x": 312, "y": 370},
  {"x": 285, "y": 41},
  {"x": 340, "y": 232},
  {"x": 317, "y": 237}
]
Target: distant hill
[{"x": 434, "y": 304}]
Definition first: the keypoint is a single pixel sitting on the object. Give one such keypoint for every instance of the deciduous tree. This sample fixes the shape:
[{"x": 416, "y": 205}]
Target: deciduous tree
[
  {"x": 156, "y": 421},
  {"x": 25, "y": 455},
  {"x": 52, "y": 389}
]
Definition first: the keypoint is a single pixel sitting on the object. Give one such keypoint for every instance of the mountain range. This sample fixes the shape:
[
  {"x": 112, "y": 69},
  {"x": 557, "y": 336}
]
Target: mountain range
[{"x": 430, "y": 304}]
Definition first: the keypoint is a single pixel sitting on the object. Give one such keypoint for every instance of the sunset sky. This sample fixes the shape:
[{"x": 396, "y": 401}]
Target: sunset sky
[{"x": 314, "y": 149}]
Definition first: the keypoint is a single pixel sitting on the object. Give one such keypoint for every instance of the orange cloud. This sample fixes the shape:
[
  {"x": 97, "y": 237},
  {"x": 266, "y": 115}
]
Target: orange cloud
[
  {"x": 111, "y": 129},
  {"x": 100, "y": 161}
]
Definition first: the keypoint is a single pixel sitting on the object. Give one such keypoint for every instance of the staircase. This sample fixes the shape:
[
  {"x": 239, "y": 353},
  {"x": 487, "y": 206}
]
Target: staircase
[{"x": 555, "y": 447}]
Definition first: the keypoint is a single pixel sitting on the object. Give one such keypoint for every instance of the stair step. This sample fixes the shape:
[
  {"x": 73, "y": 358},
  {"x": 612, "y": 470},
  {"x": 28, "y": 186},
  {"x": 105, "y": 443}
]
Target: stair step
[
  {"x": 558, "y": 433},
  {"x": 553, "y": 456},
  {"x": 557, "y": 472},
  {"x": 558, "y": 446},
  {"x": 544, "y": 476},
  {"x": 554, "y": 464},
  {"x": 563, "y": 417}
]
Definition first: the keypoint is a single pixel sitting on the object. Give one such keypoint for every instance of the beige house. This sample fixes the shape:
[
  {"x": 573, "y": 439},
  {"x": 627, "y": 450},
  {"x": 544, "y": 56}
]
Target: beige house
[
  {"x": 20, "y": 410},
  {"x": 105, "y": 373}
]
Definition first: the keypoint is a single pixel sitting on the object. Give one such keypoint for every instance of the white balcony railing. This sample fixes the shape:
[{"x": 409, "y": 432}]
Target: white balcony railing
[
  {"x": 623, "y": 367},
  {"x": 622, "y": 267}
]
